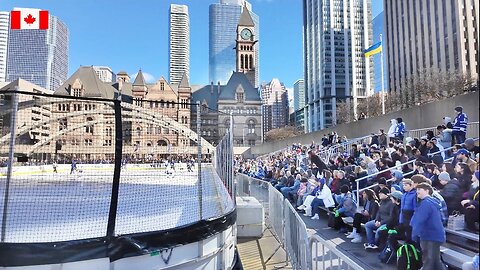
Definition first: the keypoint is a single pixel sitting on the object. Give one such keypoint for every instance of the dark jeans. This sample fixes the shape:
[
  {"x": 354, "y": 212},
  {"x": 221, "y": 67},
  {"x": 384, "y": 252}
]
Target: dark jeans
[
  {"x": 458, "y": 137},
  {"x": 431, "y": 255},
  {"x": 315, "y": 204},
  {"x": 358, "y": 219}
]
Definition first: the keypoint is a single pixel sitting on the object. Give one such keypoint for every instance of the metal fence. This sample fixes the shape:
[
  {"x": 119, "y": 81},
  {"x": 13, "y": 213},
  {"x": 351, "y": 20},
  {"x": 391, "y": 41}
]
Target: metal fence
[
  {"x": 325, "y": 255},
  {"x": 296, "y": 238},
  {"x": 472, "y": 131},
  {"x": 74, "y": 168}
]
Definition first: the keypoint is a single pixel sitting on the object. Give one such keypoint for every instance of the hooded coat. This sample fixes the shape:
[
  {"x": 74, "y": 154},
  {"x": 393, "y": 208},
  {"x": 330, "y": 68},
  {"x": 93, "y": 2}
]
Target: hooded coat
[
  {"x": 391, "y": 129},
  {"x": 427, "y": 222}
]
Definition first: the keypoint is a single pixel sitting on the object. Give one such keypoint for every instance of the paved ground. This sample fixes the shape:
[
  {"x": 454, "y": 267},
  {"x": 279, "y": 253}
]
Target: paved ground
[
  {"x": 356, "y": 252},
  {"x": 260, "y": 254}
]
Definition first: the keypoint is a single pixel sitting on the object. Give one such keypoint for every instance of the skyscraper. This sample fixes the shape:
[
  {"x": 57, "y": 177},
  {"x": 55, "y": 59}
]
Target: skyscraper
[
  {"x": 224, "y": 17},
  {"x": 436, "y": 35},
  {"x": 4, "y": 18},
  {"x": 179, "y": 43},
  {"x": 45, "y": 62},
  {"x": 335, "y": 35},
  {"x": 275, "y": 112},
  {"x": 378, "y": 25},
  {"x": 298, "y": 94}
]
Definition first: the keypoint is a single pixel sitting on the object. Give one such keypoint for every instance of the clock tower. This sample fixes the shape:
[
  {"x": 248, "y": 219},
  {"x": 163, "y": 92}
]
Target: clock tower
[{"x": 245, "y": 47}]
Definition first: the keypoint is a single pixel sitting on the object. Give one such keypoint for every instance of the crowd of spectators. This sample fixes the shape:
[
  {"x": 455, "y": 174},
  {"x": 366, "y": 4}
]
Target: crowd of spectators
[{"x": 408, "y": 186}]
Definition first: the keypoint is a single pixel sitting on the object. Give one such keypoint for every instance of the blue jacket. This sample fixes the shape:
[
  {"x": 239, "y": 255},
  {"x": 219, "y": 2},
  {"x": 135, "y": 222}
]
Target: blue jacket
[
  {"x": 408, "y": 202},
  {"x": 427, "y": 221},
  {"x": 400, "y": 129},
  {"x": 347, "y": 205},
  {"x": 460, "y": 123}
]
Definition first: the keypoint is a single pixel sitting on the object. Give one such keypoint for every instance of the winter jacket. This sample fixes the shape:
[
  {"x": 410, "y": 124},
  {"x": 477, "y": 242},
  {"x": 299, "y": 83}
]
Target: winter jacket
[
  {"x": 452, "y": 193},
  {"x": 391, "y": 129},
  {"x": 372, "y": 209},
  {"x": 460, "y": 123},
  {"x": 473, "y": 195},
  {"x": 326, "y": 195},
  {"x": 408, "y": 205},
  {"x": 393, "y": 222},
  {"x": 443, "y": 207},
  {"x": 445, "y": 138},
  {"x": 427, "y": 221},
  {"x": 347, "y": 205},
  {"x": 384, "y": 211},
  {"x": 400, "y": 129}
]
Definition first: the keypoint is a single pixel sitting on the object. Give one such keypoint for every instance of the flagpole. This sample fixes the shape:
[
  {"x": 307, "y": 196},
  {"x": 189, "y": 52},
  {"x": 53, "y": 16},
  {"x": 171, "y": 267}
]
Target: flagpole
[{"x": 383, "y": 87}]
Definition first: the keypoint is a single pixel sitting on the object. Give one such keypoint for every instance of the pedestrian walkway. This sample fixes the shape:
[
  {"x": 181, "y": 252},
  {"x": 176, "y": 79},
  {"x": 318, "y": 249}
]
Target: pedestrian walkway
[{"x": 259, "y": 253}]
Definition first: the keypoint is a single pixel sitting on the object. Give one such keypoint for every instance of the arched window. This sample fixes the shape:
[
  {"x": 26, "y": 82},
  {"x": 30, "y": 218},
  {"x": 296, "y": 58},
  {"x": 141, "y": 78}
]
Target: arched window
[
  {"x": 251, "y": 126},
  {"x": 162, "y": 143},
  {"x": 149, "y": 144},
  {"x": 251, "y": 61},
  {"x": 162, "y": 103},
  {"x": 241, "y": 61},
  {"x": 139, "y": 131},
  {"x": 246, "y": 62}
]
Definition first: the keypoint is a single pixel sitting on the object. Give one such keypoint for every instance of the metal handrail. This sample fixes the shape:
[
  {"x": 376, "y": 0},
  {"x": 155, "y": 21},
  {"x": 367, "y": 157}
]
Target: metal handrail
[
  {"x": 376, "y": 184},
  {"x": 422, "y": 129},
  {"x": 446, "y": 149},
  {"x": 333, "y": 249}
]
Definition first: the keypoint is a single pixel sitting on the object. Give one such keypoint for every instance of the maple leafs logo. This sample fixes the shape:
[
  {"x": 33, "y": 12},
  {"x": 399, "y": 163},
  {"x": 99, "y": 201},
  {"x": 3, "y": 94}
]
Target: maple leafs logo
[{"x": 29, "y": 19}]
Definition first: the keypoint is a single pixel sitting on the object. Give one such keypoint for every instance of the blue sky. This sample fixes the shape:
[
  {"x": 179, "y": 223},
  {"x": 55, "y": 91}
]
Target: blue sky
[{"x": 128, "y": 35}]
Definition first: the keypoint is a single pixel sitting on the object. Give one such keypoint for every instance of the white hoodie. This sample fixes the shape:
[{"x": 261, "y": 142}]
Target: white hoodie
[
  {"x": 326, "y": 196},
  {"x": 391, "y": 130}
]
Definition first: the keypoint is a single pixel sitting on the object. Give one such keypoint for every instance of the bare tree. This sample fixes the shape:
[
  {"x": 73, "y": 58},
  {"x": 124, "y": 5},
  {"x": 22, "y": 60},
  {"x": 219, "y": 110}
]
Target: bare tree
[
  {"x": 344, "y": 111},
  {"x": 282, "y": 133}
]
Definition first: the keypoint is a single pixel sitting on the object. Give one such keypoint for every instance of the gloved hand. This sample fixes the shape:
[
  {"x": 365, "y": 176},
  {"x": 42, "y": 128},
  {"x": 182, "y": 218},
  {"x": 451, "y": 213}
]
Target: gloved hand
[
  {"x": 337, "y": 214},
  {"x": 383, "y": 227},
  {"x": 392, "y": 232}
]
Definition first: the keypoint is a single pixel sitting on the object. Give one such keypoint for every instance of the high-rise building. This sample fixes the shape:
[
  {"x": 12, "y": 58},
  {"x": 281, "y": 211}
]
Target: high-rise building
[
  {"x": 275, "y": 111},
  {"x": 298, "y": 95},
  {"x": 179, "y": 43},
  {"x": 45, "y": 63},
  {"x": 336, "y": 34},
  {"x": 378, "y": 26},
  {"x": 4, "y": 22},
  {"x": 224, "y": 18},
  {"x": 436, "y": 35},
  {"x": 105, "y": 74}
]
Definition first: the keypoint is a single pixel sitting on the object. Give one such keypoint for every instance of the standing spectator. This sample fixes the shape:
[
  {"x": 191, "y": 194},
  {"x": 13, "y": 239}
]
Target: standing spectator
[
  {"x": 451, "y": 192},
  {"x": 427, "y": 226},
  {"x": 460, "y": 125},
  {"x": 368, "y": 213},
  {"x": 447, "y": 121},
  {"x": 408, "y": 205},
  {"x": 391, "y": 130},
  {"x": 382, "y": 138},
  {"x": 400, "y": 129},
  {"x": 444, "y": 136},
  {"x": 471, "y": 205}
]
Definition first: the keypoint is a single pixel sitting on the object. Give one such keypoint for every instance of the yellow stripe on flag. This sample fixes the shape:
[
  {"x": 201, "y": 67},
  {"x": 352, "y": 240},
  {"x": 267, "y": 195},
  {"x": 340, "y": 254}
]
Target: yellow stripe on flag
[{"x": 374, "y": 51}]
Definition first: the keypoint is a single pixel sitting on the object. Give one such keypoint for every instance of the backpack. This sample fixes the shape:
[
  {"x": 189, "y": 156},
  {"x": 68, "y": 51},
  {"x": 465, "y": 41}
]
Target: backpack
[
  {"x": 388, "y": 254},
  {"x": 409, "y": 257}
]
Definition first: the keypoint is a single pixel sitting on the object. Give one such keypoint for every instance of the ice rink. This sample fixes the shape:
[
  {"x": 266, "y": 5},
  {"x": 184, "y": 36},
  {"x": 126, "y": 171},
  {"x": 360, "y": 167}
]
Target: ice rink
[{"x": 48, "y": 207}]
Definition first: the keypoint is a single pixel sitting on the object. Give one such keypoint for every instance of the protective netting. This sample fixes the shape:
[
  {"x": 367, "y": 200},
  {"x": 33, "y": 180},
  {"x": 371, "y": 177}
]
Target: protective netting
[{"x": 66, "y": 155}]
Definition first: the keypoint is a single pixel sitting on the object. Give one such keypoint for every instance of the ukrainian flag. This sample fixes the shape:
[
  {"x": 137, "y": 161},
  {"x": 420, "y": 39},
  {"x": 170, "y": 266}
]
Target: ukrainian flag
[{"x": 374, "y": 49}]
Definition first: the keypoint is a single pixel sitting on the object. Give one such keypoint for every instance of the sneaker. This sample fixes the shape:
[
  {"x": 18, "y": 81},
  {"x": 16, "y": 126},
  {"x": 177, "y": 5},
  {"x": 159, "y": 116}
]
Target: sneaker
[
  {"x": 370, "y": 246},
  {"x": 301, "y": 207},
  {"x": 315, "y": 217},
  {"x": 357, "y": 239},
  {"x": 307, "y": 215},
  {"x": 353, "y": 235}
]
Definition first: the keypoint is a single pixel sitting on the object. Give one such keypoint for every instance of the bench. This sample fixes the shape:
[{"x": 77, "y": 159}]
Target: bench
[
  {"x": 464, "y": 234},
  {"x": 456, "y": 257}
]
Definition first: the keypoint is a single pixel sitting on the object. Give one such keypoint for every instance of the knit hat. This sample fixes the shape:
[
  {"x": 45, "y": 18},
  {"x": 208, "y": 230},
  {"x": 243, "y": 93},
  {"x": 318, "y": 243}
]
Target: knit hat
[
  {"x": 470, "y": 142},
  {"x": 397, "y": 194},
  {"x": 384, "y": 191},
  {"x": 444, "y": 176},
  {"x": 459, "y": 109},
  {"x": 344, "y": 189},
  {"x": 398, "y": 174}
]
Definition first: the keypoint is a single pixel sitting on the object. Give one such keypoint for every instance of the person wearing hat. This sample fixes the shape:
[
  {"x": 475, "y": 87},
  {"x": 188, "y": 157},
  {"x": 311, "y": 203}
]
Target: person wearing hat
[
  {"x": 471, "y": 204},
  {"x": 470, "y": 146},
  {"x": 383, "y": 217},
  {"x": 451, "y": 192},
  {"x": 463, "y": 155},
  {"x": 460, "y": 125}
]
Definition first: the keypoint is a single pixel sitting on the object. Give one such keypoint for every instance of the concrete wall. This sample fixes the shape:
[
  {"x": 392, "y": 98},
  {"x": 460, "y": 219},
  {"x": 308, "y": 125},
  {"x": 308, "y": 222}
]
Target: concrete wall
[{"x": 427, "y": 115}]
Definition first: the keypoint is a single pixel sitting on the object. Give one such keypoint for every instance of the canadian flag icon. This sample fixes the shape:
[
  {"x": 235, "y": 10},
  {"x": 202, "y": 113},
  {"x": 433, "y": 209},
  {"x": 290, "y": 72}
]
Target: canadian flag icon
[{"x": 28, "y": 18}]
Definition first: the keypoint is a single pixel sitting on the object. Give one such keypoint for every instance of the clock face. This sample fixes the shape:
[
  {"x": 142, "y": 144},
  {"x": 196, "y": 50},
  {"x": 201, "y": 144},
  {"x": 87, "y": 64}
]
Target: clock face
[{"x": 246, "y": 34}]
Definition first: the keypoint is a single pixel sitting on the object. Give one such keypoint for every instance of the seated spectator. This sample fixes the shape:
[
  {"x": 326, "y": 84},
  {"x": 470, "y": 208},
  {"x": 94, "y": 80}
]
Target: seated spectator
[
  {"x": 392, "y": 225},
  {"x": 346, "y": 207},
  {"x": 451, "y": 192},
  {"x": 322, "y": 197},
  {"x": 471, "y": 147},
  {"x": 444, "y": 136},
  {"x": 288, "y": 191},
  {"x": 383, "y": 217},
  {"x": 463, "y": 155},
  {"x": 427, "y": 228},
  {"x": 368, "y": 213},
  {"x": 463, "y": 175},
  {"x": 382, "y": 183},
  {"x": 471, "y": 204},
  {"x": 298, "y": 198}
]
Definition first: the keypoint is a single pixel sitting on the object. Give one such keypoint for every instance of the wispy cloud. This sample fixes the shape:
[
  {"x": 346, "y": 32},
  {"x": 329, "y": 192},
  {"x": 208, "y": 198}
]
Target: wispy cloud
[{"x": 149, "y": 78}]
